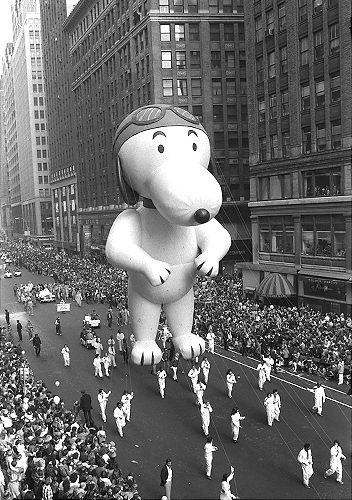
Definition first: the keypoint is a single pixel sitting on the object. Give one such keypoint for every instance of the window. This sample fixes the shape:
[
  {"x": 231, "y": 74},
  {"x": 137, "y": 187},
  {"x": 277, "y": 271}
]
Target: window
[
  {"x": 182, "y": 87},
  {"x": 228, "y": 7},
  {"x": 334, "y": 39},
  {"x": 261, "y": 109},
  {"x": 164, "y": 6},
  {"x": 335, "y": 90},
  {"x": 269, "y": 20},
  {"x": 193, "y": 31},
  {"x": 271, "y": 64},
  {"x": 40, "y": 179},
  {"x": 180, "y": 59},
  {"x": 166, "y": 62},
  {"x": 302, "y": 10},
  {"x": 192, "y": 6},
  {"x": 317, "y": 6},
  {"x": 319, "y": 93},
  {"x": 339, "y": 236},
  {"x": 232, "y": 139},
  {"x": 231, "y": 86},
  {"x": 336, "y": 134},
  {"x": 198, "y": 112},
  {"x": 285, "y": 109},
  {"x": 260, "y": 71},
  {"x": 229, "y": 58},
  {"x": 306, "y": 140},
  {"x": 264, "y": 237},
  {"x": 194, "y": 59},
  {"x": 215, "y": 59},
  {"x": 262, "y": 148},
  {"x": 285, "y": 139},
  {"x": 39, "y": 167},
  {"x": 165, "y": 35},
  {"x": 318, "y": 45},
  {"x": 216, "y": 86},
  {"x": 214, "y": 6},
  {"x": 321, "y": 136},
  {"x": 219, "y": 140},
  {"x": 178, "y": 6},
  {"x": 283, "y": 60},
  {"x": 274, "y": 146},
  {"x": 264, "y": 188},
  {"x": 323, "y": 236},
  {"x": 218, "y": 114},
  {"x": 282, "y": 16},
  {"x": 214, "y": 32},
  {"x": 196, "y": 87},
  {"x": 179, "y": 32},
  {"x": 305, "y": 97},
  {"x": 272, "y": 106},
  {"x": 231, "y": 113},
  {"x": 304, "y": 53},
  {"x": 229, "y": 35},
  {"x": 167, "y": 88},
  {"x": 37, "y": 141},
  {"x": 258, "y": 29}
]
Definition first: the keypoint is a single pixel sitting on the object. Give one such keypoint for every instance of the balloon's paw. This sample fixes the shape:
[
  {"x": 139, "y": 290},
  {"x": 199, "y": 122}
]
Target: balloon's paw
[
  {"x": 190, "y": 346},
  {"x": 146, "y": 353}
]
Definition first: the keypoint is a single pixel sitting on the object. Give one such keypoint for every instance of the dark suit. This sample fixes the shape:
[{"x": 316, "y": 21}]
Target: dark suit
[{"x": 86, "y": 406}]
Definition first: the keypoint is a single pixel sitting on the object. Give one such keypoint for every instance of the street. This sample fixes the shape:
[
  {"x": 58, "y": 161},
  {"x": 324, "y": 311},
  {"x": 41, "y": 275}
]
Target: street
[{"x": 265, "y": 459}]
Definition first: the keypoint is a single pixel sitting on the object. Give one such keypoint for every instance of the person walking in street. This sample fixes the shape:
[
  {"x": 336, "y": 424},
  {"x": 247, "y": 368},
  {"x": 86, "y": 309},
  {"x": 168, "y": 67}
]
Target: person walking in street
[
  {"x": 205, "y": 367},
  {"x": 7, "y": 317},
  {"x": 85, "y": 405},
  {"x": 103, "y": 400},
  {"x": 109, "y": 317},
  {"x": 205, "y": 411},
  {"x": 261, "y": 374},
  {"x": 193, "y": 374},
  {"x": 119, "y": 418},
  {"x": 37, "y": 343},
  {"x": 319, "y": 398},
  {"x": 98, "y": 346},
  {"x": 209, "y": 448},
  {"x": 161, "y": 374},
  {"x": 112, "y": 351},
  {"x": 65, "y": 351},
  {"x": 211, "y": 340},
  {"x": 200, "y": 388},
  {"x": 230, "y": 380},
  {"x": 58, "y": 326},
  {"x": 336, "y": 456},
  {"x": 236, "y": 423},
  {"x": 268, "y": 364},
  {"x": 174, "y": 366},
  {"x": 106, "y": 364},
  {"x": 126, "y": 399},
  {"x": 269, "y": 407},
  {"x": 19, "y": 328},
  {"x": 276, "y": 404},
  {"x": 166, "y": 478},
  {"x": 340, "y": 370},
  {"x": 97, "y": 366},
  {"x": 306, "y": 460},
  {"x": 225, "y": 493},
  {"x": 125, "y": 351},
  {"x": 119, "y": 340},
  {"x": 29, "y": 329}
]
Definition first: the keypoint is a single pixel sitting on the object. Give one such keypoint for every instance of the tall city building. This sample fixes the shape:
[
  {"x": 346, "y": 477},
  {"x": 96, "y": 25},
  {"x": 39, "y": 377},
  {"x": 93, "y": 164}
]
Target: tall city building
[
  {"x": 5, "y": 215},
  {"x": 300, "y": 112},
  {"x": 60, "y": 122},
  {"x": 25, "y": 131},
  {"x": 185, "y": 52}
]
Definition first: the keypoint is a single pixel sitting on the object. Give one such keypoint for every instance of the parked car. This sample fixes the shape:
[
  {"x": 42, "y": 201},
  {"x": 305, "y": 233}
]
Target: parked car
[
  {"x": 45, "y": 296},
  {"x": 92, "y": 320},
  {"x": 8, "y": 274},
  {"x": 17, "y": 272}
]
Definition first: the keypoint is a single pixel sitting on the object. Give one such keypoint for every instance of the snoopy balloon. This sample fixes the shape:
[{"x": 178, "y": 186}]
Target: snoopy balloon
[{"x": 163, "y": 153}]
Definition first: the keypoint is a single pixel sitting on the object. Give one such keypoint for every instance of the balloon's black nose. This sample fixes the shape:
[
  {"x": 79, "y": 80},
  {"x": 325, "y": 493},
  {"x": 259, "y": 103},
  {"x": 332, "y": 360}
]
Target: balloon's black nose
[{"x": 202, "y": 216}]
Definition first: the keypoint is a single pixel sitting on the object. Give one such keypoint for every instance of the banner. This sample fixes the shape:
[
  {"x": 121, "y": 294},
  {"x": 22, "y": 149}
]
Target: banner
[{"x": 63, "y": 307}]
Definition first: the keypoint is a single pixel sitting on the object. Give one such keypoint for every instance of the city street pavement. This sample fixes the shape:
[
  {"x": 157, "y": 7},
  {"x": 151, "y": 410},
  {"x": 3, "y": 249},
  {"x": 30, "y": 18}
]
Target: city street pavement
[{"x": 265, "y": 459}]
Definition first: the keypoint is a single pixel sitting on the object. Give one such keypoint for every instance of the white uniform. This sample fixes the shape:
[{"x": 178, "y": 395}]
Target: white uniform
[
  {"x": 119, "y": 338},
  {"x": 120, "y": 420},
  {"x": 261, "y": 375},
  {"x": 112, "y": 352},
  {"x": 126, "y": 405},
  {"x": 205, "y": 367},
  {"x": 97, "y": 367},
  {"x": 236, "y": 425},
  {"x": 277, "y": 406},
  {"x": 319, "y": 399},
  {"x": 268, "y": 364},
  {"x": 65, "y": 351},
  {"x": 230, "y": 380},
  {"x": 269, "y": 406},
  {"x": 193, "y": 375},
  {"x": 103, "y": 399},
  {"x": 205, "y": 411},
  {"x": 306, "y": 460},
  {"x": 208, "y": 455},
  {"x": 335, "y": 462},
  {"x": 211, "y": 341},
  {"x": 161, "y": 380},
  {"x": 107, "y": 363},
  {"x": 200, "y": 388}
]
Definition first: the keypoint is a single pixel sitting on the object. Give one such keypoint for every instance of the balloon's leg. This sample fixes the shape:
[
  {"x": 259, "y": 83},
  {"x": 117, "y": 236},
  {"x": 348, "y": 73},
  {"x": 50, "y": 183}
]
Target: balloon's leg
[{"x": 180, "y": 319}]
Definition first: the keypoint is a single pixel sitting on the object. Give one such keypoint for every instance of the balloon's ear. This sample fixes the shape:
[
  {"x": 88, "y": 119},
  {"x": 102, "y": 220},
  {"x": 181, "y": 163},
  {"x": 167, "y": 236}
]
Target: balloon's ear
[{"x": 130, "y": 196}]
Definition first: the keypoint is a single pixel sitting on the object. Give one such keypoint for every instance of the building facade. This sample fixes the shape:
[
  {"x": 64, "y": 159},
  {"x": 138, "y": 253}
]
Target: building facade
[
  {"x": 60, "y": 121},
  {"x": 300, "y": 97},
  {"x": 5, "y": 212},
  {"x": 185, "y": 52},
  {"x": 26, "y": 132}
]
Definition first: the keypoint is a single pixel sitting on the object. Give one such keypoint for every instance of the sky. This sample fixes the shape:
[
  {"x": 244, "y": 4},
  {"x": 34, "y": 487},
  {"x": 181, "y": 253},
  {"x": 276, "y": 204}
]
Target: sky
[{"x": 5, "y": 25}]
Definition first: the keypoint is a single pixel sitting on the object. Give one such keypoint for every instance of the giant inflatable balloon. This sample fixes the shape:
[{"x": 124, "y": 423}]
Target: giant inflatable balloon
[{"x": 162, "y": 156}]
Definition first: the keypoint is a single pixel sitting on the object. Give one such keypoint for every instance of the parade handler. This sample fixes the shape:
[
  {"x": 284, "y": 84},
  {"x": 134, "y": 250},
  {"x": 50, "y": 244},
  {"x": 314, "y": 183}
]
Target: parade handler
[{"x": 162, "y": 154}]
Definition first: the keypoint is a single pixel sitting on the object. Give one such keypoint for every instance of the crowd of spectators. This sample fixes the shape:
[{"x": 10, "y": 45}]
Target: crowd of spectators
[{"x": 46, "y": 450}]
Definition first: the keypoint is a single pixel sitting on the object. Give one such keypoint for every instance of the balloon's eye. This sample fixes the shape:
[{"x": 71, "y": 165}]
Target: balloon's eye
[
  {"x": 194, "y": 146},
  {"x": 161, "y": 148}
]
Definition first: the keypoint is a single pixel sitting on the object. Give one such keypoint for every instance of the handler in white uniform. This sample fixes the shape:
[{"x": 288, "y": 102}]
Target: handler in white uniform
[
  {"x": 205, "y": 367},
  {"x": 230, "y": 380},
  {"x": 261, "y": 374},
  {"x": 268, "y": 364},
  {"x": 65, "y": 351},
  {"x": 102, "y": 400},
  {"x": 119, "y": 418},
  {"x": 269, "y": 406},
  {"x": 126, "y": 399},
  {"x": 306, "y": 460},
  {"x": 200, "y": 388},
  {"x": 193, "y": 375},
  {"x": 205, "y": 411},
  {"x": 277, "y": 405},
  {"x": 211, "y": 340},
  {"x": 236, "y": 424},
  {"x": 97, "y": 366},
  {"x": 209, "y": 448},
  {"x": 335, "y": 462},
  {"x": 319, "y": 398},
  {"x": 161, "y": 374}
]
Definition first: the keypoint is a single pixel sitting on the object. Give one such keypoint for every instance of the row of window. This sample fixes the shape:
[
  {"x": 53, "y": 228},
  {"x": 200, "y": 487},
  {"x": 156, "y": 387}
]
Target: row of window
[
  {"x": 317, "y": 7},
  {"x": 43, "y": 179},
  {"x": 219, "y": 87},
  {"x": 270, "y": 22},
  {"x": 218, "y": 32},
  {"x": 65, "y": 205},
  {"x": 191, "y": 6}
]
